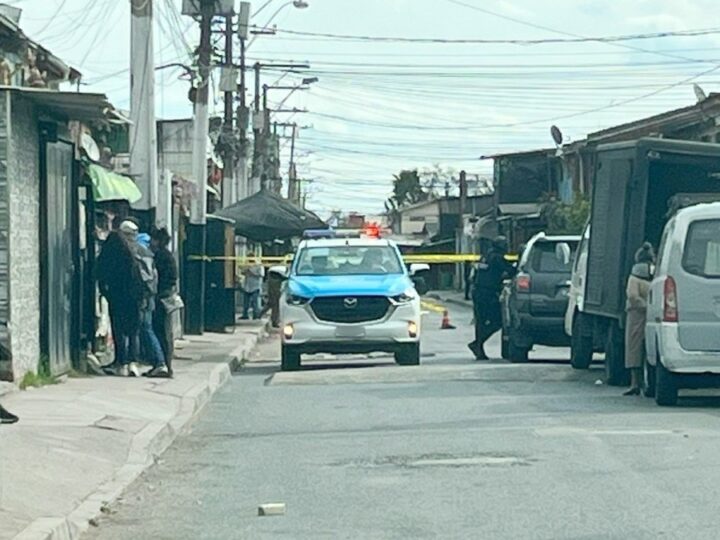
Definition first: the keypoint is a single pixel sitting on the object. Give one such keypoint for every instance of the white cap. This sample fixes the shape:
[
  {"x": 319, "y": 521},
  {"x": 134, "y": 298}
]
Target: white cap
[{"x": 128, "y": 227}]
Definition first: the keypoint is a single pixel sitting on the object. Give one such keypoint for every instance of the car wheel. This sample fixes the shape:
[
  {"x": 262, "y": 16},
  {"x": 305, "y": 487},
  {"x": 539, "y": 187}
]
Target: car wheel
[
  {"x": 581, "y": 347},
  {"x": 516, "y": 353},
  {"x": 408, "y": 355},
  {"x": 648, "y": 380},
  {"x": 290, "y": 360},
  {"x": 504, "y": 345},
  {"x": 615, "y": 372},
  {"x": 666, "y": 390}
]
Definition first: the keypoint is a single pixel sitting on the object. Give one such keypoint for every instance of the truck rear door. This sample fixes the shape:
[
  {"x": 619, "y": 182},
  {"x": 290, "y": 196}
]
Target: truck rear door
[
  {"x": 550, "y": 278},
  {"x": 698, "y": 287}
]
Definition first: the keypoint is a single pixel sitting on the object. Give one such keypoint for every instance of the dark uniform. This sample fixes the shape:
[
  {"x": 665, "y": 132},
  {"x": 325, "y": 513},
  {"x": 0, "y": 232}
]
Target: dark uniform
[{"x": 489, "y": 276}]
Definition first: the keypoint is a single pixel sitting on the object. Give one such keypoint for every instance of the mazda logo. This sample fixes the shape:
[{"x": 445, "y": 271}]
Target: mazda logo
[{"x": 350, "y": 303}]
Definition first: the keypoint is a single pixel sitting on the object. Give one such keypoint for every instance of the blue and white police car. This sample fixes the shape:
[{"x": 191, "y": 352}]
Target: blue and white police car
[{"x": 349, "y": 295}]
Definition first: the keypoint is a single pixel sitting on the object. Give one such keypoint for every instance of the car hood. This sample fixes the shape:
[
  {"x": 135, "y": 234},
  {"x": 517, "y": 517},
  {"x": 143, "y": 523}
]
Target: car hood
[{"x": 354, "y": 285}]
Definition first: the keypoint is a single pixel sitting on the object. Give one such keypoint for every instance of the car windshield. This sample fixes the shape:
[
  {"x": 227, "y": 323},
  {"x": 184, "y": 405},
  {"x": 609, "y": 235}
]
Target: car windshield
[
  {"x": 702, "y": 249},
  {"x": 548, "y": 257},
  {"x": 348, "y": 260}
]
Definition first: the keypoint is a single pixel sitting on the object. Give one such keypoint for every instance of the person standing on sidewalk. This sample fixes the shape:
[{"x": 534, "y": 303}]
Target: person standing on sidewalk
[
  {"x": 166, "y": 291},
  {"x": 254, "y": 274},
  {"x": 6, "y": 417},
  {"x": 489, "y": 276},
  {"x": 120, "y": 283},
  {"x": 148, "y": 339}
]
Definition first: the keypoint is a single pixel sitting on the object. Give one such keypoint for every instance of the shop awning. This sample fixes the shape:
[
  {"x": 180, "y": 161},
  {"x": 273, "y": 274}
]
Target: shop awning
[{"x": 110, "y": 186}]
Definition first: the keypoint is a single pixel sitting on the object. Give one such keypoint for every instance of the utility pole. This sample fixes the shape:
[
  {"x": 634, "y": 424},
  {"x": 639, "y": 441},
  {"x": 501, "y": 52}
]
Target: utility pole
[
  {"x": 242, "y": 114},
  {"x": 293, "y": 191},
  {"x": 258, "y": 128},
  {"x": 195, "y": 243},
  {"x": 460, "y": 245},
  {"x": 229, "y": 195},
  {"x": 143, "y": 136}
]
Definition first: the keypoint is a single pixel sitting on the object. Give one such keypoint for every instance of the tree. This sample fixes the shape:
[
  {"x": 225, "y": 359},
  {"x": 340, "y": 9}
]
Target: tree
[
  {"x": 407, "y": 188},
  {"x": 564, "y": 218}
]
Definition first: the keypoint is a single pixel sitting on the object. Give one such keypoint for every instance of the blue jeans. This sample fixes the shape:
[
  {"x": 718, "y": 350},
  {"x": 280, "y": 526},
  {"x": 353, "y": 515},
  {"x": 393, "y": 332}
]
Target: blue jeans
[
  {"x": 148, "y": 340},
  {"x": 251, "y": 300}
]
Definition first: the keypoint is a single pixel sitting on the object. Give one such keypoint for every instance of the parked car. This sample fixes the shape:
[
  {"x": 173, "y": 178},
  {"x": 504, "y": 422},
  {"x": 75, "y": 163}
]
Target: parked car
[
  {"x": 683, "y": 317},
  {"x": 535, "y": 300}
]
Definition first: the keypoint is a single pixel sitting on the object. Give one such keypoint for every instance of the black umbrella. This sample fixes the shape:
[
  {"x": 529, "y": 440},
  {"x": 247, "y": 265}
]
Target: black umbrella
[{"x": 266, "y": 216}]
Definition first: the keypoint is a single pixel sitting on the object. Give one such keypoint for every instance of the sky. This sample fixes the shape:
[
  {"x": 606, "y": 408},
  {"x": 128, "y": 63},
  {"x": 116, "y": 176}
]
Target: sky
[{"x": 424, "y": 98}]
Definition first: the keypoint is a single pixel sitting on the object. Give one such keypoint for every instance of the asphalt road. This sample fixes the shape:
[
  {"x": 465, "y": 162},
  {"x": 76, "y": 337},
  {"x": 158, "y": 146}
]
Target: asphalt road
[{"x": 451, "y": 449}]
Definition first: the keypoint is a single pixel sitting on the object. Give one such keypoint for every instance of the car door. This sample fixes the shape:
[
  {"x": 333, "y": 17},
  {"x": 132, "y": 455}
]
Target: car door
[
  {"x": 697, "y": 281},
  {"x": 550, "y": 278}
]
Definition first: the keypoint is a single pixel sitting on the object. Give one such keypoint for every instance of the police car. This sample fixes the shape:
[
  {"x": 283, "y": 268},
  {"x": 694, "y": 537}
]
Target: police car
[{"x": 349, "y": 294}]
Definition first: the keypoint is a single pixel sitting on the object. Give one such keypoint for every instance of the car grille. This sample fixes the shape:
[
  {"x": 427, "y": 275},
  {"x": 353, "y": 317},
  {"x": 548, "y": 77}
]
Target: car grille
[{"x": 350, "y": 309}]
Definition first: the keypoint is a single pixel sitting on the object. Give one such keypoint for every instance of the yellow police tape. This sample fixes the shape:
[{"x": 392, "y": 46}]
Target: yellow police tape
[
  {"x": 419, "y": 258},
  {"x": 408, "y": 259}
]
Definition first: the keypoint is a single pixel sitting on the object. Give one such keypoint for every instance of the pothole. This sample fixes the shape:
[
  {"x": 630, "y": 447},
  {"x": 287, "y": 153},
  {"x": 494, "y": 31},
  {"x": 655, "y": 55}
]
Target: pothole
[{"x": 441, "y": 460}]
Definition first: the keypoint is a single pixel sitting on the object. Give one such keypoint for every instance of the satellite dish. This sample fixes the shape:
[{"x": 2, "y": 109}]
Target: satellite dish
[
  {"x": 556, "y": 135},
  {"x": 90, "y": 147},
  {"x": 699, "y": 93}
]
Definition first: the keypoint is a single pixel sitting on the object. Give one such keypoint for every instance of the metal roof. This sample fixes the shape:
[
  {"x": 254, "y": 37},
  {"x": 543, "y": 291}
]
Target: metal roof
[{"x": 71, "y": 105}]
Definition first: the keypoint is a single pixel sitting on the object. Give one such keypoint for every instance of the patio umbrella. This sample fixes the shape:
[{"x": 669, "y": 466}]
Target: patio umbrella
[{"x": 266, "y": 216}]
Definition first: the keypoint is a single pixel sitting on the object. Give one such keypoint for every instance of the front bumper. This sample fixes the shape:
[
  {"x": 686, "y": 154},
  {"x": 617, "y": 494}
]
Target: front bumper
[
  {"x": 678, "y": 360},
  {"x": 311, "y": 335}
]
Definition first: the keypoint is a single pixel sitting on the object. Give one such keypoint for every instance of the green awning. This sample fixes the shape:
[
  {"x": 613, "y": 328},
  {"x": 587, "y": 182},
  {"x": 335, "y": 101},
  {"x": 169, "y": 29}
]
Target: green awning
[{"x": 110, "y": 186}]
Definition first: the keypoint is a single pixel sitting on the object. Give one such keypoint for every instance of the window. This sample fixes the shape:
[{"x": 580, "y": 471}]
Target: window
[
  {"x": 547, "y": 257},
  {"x": 702, "y": 249},
  {"x": 348, "y": 260}
]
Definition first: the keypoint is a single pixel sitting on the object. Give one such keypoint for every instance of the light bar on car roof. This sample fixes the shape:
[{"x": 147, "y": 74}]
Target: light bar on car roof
[{"x": 317, "y": 234}]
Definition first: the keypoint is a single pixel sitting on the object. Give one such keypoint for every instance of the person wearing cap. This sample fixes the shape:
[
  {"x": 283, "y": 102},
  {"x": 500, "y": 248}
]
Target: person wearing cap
[
  {"x": 151, "y": 347},
  {"x": 121, "y": 284},
  {"x": 489, "y": 275},
  {"x": 638, "y": 288},
  {"x": 254, "y": 274}
]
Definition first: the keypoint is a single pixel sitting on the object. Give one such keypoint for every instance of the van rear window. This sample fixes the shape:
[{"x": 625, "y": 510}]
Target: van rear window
[
  {"x": 702, "y": 249},
  {"x": 546, "y": 257}
]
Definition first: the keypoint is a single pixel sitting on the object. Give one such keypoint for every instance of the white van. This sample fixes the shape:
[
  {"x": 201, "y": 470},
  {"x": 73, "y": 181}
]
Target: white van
[{"x": 683, "y": 318}]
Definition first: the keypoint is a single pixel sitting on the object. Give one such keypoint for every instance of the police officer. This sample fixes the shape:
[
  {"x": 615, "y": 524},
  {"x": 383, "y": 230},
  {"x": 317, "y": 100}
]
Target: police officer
[{"x": 489, "y": 276}]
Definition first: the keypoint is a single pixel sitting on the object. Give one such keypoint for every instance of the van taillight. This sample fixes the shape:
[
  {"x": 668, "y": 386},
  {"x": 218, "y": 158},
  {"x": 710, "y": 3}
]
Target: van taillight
[
  {"x": 670, "y": 304},
  {"x": 522, "y": 282}
]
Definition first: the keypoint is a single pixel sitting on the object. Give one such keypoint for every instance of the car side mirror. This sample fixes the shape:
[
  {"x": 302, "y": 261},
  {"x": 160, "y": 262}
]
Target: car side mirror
[
  {"x": 416, "y": 268},
  {"x": 279, "y": 271},
  {"x": 420, "y": 285}
]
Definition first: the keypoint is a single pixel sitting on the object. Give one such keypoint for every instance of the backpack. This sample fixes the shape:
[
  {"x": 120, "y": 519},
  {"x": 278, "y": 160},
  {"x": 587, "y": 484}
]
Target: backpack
[{"x": 148, "y": 273}]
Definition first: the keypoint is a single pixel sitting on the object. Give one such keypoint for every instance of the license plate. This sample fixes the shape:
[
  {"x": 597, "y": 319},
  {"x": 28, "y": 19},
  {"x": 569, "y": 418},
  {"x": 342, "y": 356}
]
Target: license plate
[{"x": 350, "y": 331}]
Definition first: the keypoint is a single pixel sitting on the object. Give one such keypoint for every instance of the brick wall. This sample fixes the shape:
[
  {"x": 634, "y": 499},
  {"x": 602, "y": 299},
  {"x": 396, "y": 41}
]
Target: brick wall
[{"x": 24, "y": 239}]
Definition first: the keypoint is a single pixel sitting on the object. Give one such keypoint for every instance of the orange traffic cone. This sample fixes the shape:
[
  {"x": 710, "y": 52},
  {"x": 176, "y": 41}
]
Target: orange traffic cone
[{"x": 445, "y": 324}]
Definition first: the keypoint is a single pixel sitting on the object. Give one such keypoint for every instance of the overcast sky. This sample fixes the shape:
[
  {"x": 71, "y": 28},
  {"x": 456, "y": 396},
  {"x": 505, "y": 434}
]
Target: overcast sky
[{"x": 381, "y": 106}]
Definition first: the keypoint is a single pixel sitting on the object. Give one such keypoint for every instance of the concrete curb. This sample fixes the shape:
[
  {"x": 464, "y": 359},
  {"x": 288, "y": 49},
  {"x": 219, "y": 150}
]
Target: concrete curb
[
  {"x": 454, "y": 301},
  {"x": 145, "y": 447}
]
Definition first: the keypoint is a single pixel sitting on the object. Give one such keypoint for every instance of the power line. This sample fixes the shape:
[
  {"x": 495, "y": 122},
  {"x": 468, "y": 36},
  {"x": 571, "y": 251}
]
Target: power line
[{"x": 400, "y": 39}]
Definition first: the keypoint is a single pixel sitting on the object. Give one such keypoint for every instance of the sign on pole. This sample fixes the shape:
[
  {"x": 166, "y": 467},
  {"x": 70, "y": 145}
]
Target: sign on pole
[{"x": 243, "y": 20}]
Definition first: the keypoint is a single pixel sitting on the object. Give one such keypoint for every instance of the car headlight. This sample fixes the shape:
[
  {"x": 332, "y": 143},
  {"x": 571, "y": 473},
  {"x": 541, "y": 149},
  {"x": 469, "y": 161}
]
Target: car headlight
[
  {"x": 296, "y": 300},
  {"x": 407, "y": 296}
]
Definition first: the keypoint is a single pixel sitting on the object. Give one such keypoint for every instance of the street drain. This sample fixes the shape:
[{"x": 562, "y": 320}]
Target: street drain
[{"x": 442, "y": 460}]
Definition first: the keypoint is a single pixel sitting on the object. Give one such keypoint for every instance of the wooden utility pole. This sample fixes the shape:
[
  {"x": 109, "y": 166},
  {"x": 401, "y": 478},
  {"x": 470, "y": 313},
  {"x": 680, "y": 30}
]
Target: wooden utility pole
[
  {"x": 143, "y": 137},
  {"x": 242, "y": 113}
]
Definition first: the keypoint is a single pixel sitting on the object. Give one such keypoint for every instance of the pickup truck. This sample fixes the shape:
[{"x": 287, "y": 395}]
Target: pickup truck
[{"x": 637, "y": 186}]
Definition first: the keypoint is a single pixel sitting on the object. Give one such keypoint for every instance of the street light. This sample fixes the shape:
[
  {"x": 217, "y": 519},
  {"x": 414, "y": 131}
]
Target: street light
[{"x": 297, "y": 4}]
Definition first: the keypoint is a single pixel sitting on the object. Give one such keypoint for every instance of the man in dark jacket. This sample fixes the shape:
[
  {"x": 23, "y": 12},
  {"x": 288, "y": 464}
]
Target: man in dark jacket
[
  {"x": 489, "y": 276},
  {"x": 167, "y": 288}
]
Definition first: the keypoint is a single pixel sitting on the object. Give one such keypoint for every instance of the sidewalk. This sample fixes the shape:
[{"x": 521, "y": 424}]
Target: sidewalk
[
  {"x": 450, "y": 297},
  {"x": 80, "y": 443}
]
